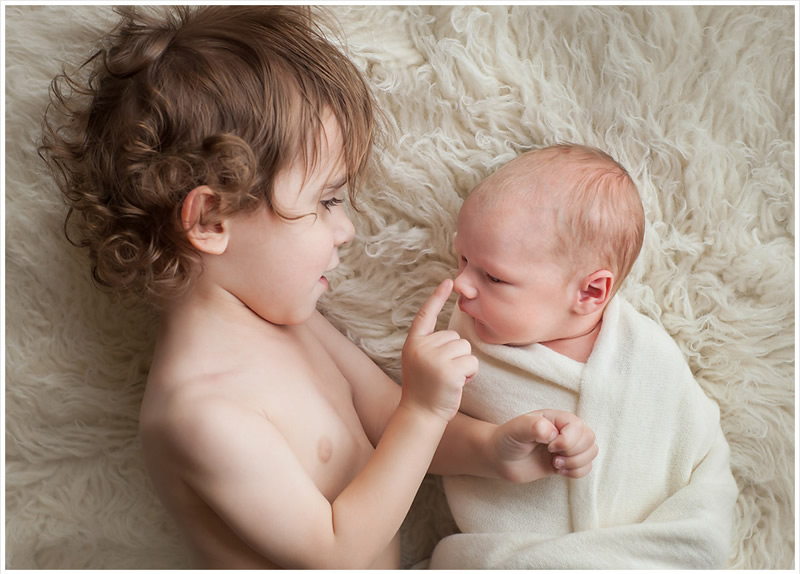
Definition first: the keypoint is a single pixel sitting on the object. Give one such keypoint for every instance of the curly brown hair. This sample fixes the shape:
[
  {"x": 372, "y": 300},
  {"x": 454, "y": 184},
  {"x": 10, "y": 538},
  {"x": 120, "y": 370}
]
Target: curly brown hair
[{"x": 177, "y": 97}]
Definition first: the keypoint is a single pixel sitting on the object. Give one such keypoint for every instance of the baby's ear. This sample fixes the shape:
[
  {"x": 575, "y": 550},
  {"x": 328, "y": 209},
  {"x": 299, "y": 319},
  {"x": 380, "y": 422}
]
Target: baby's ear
[
  {"x": 205, "y": 228},
  {"x": 595, "y": 291}
]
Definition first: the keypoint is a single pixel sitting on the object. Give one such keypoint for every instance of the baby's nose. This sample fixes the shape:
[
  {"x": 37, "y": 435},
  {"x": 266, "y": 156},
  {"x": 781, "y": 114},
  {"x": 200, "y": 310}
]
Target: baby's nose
[{"x": 463, "y": 286}]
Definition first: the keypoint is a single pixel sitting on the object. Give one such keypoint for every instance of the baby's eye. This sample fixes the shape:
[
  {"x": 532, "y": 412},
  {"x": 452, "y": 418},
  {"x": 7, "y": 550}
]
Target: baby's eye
[
  {"x": 493, "y": 279},
  {"x": 332, "y": 202}
]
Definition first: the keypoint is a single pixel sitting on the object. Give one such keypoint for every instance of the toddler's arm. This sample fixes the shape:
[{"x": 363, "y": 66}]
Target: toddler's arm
[{"x": 526, "y": 448}]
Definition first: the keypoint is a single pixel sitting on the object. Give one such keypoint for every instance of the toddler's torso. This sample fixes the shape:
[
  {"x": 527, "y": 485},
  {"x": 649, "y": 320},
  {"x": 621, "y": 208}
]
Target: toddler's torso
[{"x": 295, "y": 384}]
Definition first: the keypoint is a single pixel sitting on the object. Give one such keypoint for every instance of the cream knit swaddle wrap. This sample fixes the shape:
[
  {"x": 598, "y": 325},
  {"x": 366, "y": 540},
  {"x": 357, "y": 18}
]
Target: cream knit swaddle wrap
[{"x": 660, "y": 493}]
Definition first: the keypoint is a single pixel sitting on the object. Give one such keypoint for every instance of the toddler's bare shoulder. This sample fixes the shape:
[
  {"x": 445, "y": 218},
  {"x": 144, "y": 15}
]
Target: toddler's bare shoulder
[{"x": 195, "y": 422}]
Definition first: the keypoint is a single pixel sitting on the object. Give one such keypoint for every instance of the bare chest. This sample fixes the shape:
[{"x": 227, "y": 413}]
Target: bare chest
[
  {"x": 310, "y": 403},
  {"x": 294, "y": 384}
]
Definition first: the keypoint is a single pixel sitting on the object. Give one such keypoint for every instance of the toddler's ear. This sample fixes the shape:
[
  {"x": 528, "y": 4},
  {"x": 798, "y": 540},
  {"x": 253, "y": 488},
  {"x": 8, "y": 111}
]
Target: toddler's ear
[
  {"x": 595, "y": 291},
  {"x": 206, "y": 230}
]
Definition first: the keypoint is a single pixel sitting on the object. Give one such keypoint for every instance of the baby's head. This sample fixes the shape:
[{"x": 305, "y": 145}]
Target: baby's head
[
  {"x": 545, "y": 242},
  {"x": 221, "y": 96}
]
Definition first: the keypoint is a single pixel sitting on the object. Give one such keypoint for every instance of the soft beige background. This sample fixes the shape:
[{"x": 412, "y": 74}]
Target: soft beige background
[{"x": 697, "y": 102}]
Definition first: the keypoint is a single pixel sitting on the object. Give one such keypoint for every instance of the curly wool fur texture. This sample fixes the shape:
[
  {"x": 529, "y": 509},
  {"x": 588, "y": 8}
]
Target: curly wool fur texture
[{"x": 697, "y": 103}]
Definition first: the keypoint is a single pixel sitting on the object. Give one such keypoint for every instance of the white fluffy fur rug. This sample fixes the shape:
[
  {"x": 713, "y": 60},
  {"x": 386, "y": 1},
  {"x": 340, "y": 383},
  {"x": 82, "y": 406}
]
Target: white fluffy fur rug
[{"x": 697, "y": 102}]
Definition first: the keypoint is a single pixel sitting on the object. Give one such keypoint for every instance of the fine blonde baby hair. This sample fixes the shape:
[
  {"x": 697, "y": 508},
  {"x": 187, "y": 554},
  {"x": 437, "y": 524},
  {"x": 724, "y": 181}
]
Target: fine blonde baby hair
[{"x": 597, "y": 210}]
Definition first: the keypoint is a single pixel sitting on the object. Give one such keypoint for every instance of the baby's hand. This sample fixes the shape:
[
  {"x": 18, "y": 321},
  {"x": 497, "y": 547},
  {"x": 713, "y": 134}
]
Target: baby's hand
[
  {"x": 542, "y": 443},
  {"x": 436, "y": 364}
]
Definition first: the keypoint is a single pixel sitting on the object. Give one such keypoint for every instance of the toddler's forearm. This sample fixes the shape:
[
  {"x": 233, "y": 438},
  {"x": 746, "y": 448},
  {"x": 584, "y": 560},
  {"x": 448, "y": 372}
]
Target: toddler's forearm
[
  {"x": 465, "y": 448},
  {"x": 369, "y": 512}
]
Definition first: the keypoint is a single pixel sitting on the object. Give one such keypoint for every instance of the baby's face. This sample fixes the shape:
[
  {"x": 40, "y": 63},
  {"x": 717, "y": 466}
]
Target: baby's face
[{"x": 508, "y": 282}]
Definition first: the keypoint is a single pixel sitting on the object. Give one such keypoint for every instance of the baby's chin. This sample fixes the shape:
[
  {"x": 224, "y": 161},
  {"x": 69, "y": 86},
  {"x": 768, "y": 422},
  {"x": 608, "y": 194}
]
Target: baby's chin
[{"x": 491, "y": 337}]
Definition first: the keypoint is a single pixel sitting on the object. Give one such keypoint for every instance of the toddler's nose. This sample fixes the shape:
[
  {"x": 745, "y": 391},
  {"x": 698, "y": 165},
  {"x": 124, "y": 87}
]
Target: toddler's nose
[{"x": 345, "y": 230}]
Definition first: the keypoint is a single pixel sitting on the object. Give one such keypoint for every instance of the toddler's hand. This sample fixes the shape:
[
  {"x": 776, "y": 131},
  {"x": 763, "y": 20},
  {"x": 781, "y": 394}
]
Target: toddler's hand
[
  {"x": 436, "y": 364},
  {"x": 574, "y": 448},
  {"x": 542, "y": 443}
]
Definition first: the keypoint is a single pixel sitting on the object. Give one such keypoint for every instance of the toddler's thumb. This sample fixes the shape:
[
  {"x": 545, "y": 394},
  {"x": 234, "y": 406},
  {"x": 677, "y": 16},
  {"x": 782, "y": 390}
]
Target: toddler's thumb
[{"x": 543, "y": 431}]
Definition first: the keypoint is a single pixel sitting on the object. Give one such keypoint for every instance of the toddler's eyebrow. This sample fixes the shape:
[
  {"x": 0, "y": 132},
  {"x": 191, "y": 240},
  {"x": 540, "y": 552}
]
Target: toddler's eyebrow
[{"x": 336, "y": 184}]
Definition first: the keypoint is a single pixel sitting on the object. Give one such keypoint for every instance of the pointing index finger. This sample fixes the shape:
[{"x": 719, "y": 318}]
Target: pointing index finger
[{"x": 424, "y": 322}]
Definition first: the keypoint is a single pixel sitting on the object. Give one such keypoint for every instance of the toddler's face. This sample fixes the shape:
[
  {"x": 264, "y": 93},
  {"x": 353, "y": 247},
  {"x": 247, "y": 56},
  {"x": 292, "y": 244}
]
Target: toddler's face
[
  {"x": 285, "y": 261},
  {"x": 514, "y": 290}
]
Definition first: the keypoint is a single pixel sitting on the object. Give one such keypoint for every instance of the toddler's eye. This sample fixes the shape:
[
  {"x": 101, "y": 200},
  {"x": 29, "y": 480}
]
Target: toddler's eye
[
  {"x": 493, "y": 279},
  {"x": 333, "y": 202}
]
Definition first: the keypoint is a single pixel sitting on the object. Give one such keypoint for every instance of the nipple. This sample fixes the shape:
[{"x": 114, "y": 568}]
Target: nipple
[{"x": 324, "y": 449}]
